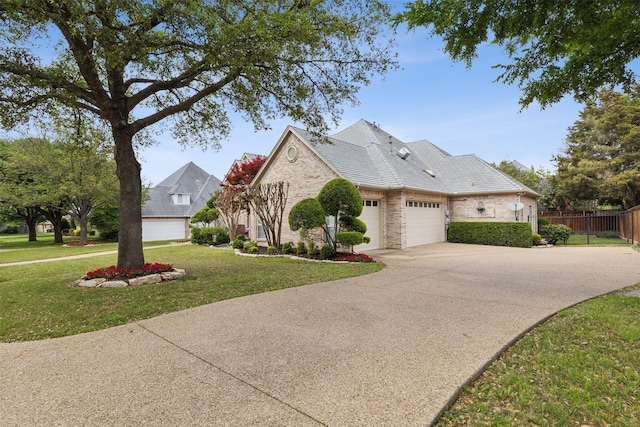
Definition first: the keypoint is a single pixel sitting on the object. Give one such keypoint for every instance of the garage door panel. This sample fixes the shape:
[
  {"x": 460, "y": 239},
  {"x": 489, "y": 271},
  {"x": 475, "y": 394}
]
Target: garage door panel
[
  {"x": 371, "y": 217},
  {"x": 425, "y": 223},
  {"x": 162, "y": 230}
]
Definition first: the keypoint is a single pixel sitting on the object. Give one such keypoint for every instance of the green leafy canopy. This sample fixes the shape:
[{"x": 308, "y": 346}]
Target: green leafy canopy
[{"x": 556, "y": 47}]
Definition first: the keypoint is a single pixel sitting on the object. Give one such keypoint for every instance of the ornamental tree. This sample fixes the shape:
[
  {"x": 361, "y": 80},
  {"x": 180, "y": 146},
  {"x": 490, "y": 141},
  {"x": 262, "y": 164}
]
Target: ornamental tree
[
  {"x": 556, "y": 47},
  {"x": 341, "y": 200},
  {"x": 135, "y": 64},
  {"x": 306, "y": 215}
]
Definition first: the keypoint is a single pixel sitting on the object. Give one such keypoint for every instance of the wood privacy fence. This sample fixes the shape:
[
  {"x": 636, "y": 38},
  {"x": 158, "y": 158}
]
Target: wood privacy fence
[
  {"x": 630, "y": 224},
  {"x": 585, "y": 222}
]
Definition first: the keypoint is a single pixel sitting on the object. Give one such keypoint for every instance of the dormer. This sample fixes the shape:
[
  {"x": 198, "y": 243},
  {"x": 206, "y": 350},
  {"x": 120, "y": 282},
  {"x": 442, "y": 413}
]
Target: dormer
[{"x": 181, "y": 198}]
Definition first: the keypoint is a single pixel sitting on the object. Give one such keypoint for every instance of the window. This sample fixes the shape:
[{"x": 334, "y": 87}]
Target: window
[
  {"x": 292, "y": 153},
  {"x": 181, "y": 199},
  {"x": 331, "y": 228},
  {"x": 370, "y": 203},
  {"x": 260, "y": 230}
]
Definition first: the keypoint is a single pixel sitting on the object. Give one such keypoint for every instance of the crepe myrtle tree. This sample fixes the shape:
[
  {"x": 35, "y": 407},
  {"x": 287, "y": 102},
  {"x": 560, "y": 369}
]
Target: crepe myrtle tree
[{"x": 139, "y": 63}]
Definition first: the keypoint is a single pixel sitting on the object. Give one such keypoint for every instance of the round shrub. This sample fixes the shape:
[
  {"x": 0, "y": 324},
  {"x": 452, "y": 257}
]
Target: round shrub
[
  {"x": 536, "y": 239},
  {"x": 313, "y": 248},
  {"x": 287, "y": 248},
  {"x": 301, "y": 249},
  {"x": 204, "y": 235},
  {"x": 327, "y": 252},
  {"x": 349, "y": 238},
  {"x": 238, "y": 244},
  {"x": 271, "y": 250},
  {"x": 554, "y": 233}
]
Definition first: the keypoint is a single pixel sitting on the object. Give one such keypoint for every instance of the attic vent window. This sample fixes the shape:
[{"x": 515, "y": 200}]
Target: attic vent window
[
  {"x": 430, "y": 172},
  {"x": 181, "y": 199},
  {"x": 292, "y": 153},
  {"x": 403, "y": 153}
]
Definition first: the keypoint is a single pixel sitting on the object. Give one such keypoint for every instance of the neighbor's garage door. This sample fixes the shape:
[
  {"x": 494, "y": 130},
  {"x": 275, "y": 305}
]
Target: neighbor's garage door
[
  {"x": 162, "y": 230},
  {"x": 371, "y": 216},
  {"x": 425, "y": 223}
]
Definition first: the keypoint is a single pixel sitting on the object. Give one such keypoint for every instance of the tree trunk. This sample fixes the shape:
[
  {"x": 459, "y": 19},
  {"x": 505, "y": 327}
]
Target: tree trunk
[
  {"x": 83, "y": 228},
  {"x": 30, "y": 215},
  {"x": 55, "y": 218},
  {"x": 130, "y": 253}
]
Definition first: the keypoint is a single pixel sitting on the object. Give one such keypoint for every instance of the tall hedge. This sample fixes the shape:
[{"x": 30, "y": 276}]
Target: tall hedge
[{"x": 516, "y": 234}]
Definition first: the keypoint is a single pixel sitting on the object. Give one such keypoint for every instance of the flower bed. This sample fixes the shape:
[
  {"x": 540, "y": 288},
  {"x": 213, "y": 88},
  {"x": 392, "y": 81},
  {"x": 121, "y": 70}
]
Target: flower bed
[
  {"x": 112, "y": 272},
  {"x": 354, "y": 258},
  {"x": 79, "y": 243}
]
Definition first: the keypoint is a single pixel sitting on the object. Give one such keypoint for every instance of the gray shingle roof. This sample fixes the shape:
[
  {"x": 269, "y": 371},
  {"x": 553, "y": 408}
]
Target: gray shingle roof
[
  {"x": 366, "y": 155},
  {"x": 189, "y": 179}
]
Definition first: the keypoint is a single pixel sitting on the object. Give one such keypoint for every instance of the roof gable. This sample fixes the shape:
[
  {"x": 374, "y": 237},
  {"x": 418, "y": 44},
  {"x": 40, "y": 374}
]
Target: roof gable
[{"x": 189, "y": 180}]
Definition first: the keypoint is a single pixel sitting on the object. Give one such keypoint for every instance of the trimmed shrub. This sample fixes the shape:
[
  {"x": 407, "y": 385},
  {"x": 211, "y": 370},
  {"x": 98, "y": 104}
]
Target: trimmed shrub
[
  {"x": 271, "y": 250},
  {"x": 542, "y": 222},
  {"x": 536, "y": 239},
  {"x": 301, "y": 249},
  {"x": 349, "y": 238},
  {"x": 204, "y": 235},
  {"x": 287, "y": 248},
  {"x": 515, "y": 234},
  {"x": 553, "y": 233},
  {"x": 237, "y": 244},
  {"x": 313, "y": 248},
  {"x": 327, "y": 252},
  {"x": 251, "y": 247}
]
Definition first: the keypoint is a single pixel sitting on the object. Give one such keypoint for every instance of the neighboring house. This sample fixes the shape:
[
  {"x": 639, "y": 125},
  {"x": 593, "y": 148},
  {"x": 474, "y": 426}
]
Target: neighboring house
[
  {"x": 410, "y": 191},
  {"x": 173, "y": 202}
]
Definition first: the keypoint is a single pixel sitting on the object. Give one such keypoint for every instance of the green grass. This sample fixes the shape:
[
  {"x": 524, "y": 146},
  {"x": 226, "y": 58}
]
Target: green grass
[
  {"x": 37, "y": 302},
  {"x": 581, "y": 368},
  {"x": 581, "y": 239},
  {"x": 16, "y": 247}
]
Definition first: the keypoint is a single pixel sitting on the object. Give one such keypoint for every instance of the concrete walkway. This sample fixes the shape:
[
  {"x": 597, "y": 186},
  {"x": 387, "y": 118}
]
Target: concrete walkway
[
  {"x": 388, "y": 349},
  {"x": 88, "y": 255}
]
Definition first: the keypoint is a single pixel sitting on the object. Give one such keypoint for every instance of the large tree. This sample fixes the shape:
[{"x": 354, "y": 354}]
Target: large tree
[
  {"x": 135, "y": 63},
  {"x": 28, "y": 171},
  {"x": 601, "y": 158},
  {"x": 556, "y": 47}
]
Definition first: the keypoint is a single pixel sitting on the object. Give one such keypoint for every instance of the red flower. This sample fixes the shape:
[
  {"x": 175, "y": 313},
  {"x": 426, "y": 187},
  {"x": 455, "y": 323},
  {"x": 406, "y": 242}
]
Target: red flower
[
  {"x": 113, "y": 272},
  {"x": 355, "y": 258}
]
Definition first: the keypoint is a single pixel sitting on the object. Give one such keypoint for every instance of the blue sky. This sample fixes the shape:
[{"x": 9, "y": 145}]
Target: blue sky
[{"x": 430, "y": 97}]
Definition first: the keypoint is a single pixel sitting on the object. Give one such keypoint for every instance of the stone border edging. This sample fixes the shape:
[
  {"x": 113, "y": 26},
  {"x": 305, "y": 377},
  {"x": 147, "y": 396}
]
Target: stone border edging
[{"x": 150, "y": 279}]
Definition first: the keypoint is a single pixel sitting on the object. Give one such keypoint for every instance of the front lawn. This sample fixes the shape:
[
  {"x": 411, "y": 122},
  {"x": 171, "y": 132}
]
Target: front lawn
[
  {"x": 16, "y": 247},
  {"x": 581, "y": 368},
  {"x": 37, "y": 302},
  {"x": 581, "y": 239}
]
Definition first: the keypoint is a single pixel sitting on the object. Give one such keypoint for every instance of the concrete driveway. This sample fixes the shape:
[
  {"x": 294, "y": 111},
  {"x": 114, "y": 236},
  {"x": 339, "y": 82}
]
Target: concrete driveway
[{"x": 388, "y": 349}]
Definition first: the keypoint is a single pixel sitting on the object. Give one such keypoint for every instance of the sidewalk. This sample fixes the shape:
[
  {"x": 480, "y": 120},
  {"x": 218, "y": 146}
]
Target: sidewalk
[{"x": 94, "y": 254}]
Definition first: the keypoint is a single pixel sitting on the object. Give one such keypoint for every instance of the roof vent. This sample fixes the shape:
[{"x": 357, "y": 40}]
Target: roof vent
[
  {"x": 403, "y": 153},
  {"x": 430, "y": 172}
]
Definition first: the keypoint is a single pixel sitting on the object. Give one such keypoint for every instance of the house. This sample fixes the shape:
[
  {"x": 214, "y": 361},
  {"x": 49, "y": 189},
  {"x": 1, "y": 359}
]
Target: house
[
  {"x": 410, "y": 191},
  {"x": 173, "y": 202}
]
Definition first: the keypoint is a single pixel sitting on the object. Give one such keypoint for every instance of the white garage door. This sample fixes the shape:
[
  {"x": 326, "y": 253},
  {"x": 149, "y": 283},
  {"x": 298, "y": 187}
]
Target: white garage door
[
  {"x": 371, "y": 216},
  {"x": 425, "y": 223},
  {"x": 162, "y": 229}
]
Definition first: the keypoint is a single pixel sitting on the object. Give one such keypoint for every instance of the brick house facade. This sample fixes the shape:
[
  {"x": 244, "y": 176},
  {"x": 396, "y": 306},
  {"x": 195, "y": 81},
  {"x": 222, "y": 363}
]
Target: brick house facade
[{"x": 408, "y": 198}]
